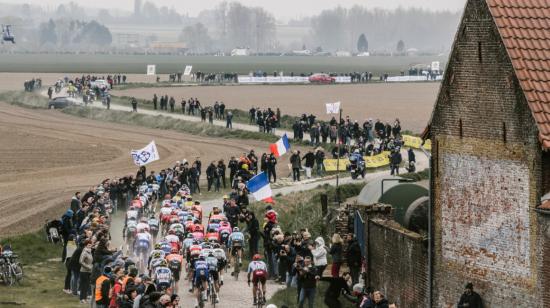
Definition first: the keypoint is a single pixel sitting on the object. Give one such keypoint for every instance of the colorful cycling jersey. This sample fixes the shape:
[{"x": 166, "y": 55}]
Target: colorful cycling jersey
[
  {"x": 165, "y": 211},
  {"x": 163, "y": 275},
  {"x": 257, "y": 266},
  {"x": 195, "y": 250},
  {"x": 213, "y": 236},
  {"x": 172, "y": 238},
  {"x": 177, "y": 227},
  {"x": 153, "y": 223},
  {"x": 236, "y": 237},
  {"x": 143, "y": 240},
  {"x": 205, "y": 252},
  {"x": 198, "y": 236},
  {"x": 161, "y": 254},
  {"x": 174, "y": 257},
  {"x": 155, "y": 262},
  {"x": 142, "y": 226},
  {"x": 131, "y": 225},
  {"x": 213, "y": 226},
  {"x": 219, "y": 254},
  {"x": 212, "y": 264},
  {"x": 200, "y": 265},
  {"x": 166, "y": 247},
  {"x": 187, "y": 243},
  {"x": 132, "y": 214}
]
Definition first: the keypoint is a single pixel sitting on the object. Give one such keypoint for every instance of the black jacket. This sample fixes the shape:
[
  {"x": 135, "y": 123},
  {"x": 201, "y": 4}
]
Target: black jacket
[
  {"x": 310, "y": 160},
  {"x": 307, "y": 277},
  {"x": 473, "y": 300},
  {"x": 353, "y": 254},
  {"x": 336, "y": 252}
]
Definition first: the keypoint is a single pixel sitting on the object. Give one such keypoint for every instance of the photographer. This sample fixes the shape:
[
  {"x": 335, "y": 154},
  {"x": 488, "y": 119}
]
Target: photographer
[{"x": 308, "y": 277}]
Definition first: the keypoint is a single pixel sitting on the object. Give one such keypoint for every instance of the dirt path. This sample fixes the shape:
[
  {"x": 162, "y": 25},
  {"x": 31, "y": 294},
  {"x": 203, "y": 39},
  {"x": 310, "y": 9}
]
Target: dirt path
[{"x": 50, "y": 155}]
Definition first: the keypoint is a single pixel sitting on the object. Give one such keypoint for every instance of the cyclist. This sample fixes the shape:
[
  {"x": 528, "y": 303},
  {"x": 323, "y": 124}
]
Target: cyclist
[
  {"x": 154, "y": 225},
  {"x": 213, "y": 272},
  {"x": 187, "y": 242},
  {"x": 142, "y": 225},
  {"x": 162, "y": 276},
  {"x": 142, "y": 243},
  {"x": 194, "y": 254},
  {"x": 175, "y": 262},
  {"x": 173, "y": 239},
  {"x": 258, "y": 270},
  {"x": 198, "y": 233},
  {"x": 200, "y": 279},
  {"x": 219, "y": 253},
  {"x": 212, "y": 235},
  {"x": 235, "y": 243},
  {"x": 165, "y": 246},
  {"x": 131, "y": 214},
  {"x": 154, "y": 261}
]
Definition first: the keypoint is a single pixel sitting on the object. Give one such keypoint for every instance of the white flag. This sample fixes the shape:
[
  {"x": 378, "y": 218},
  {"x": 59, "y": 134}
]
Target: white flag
[
  {"x": 146, "y": 155},
  {"x": 333, "y": 108}
]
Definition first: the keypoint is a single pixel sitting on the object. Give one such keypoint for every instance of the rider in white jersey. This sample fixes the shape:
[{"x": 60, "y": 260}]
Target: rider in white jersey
[
  {"x": 163, "y": 276},
  {"x": 143, "y": 225}
]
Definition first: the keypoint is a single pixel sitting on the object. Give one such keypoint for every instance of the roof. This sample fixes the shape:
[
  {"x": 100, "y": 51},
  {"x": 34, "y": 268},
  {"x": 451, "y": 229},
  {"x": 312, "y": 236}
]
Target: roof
[{"x": 524, "y": 26}]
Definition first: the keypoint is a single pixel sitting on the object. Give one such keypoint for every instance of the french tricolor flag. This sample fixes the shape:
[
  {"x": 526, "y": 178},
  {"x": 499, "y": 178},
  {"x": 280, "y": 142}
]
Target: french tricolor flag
[
  {"x": 260, "y": 189},
  {"x": 281, "y": 147}
]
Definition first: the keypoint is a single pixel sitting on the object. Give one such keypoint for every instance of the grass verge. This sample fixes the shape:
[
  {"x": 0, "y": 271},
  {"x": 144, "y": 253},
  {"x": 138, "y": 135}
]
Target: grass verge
[{"x": 43, "y": 278}]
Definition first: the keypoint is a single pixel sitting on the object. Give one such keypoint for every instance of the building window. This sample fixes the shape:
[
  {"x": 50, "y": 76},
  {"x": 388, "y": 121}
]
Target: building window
[
  {"x": 479, "y": 56},
  {"x": 504, "y": 132},
  {"x": 460, "y": 132}
]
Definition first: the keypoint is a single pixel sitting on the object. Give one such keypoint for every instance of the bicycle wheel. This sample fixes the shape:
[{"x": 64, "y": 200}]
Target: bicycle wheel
[{"x": 17, "y": 271}]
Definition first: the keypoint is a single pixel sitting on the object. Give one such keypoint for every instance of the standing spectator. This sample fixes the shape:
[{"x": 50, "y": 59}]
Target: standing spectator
[
  {"x": 395, "y": 161},
  {"x": 172, "y": 104},
  {"x": 271, "y": 167},
  {"x": 70, "y": 279},
  {"x": 66, "y": 231},
  {"x": 155, "y": 101},
  {"x": 76, "y": 203},
  {"x": 308, "y": 276},
  {"x": 336, "y": 250},
  {"x": 396, "y": 129},
  {"x": 319, "y": 253},
  {"x": 319, "y": 162},
  {"x": 252, "y": 113},
  {"x": 309, "y": 163},
  {"x": 222, "y": 110},
  {"x": 134, "y": 104},
  {"x": 353, "y": 258},
  {"x": 229, "y": 120},
  {"x": 469, "y": 298},
  {"x": 86, "y": 265},
  {"x": 183, "y": 102},
  {"x": 233, "y": 166},
  {"x": 50, "y": 92},
  {"x": 380, "y": 301},
  {"x": 221, "y": 172},
  {"x": 210, "y": 116},
  {"x": 296, "y": 163},
  {"x": 337, "y": 286},
  {"x": 253, "y": 228},
  {"x": 102, "y": 289},
  {"x": 116, "y": 291}
]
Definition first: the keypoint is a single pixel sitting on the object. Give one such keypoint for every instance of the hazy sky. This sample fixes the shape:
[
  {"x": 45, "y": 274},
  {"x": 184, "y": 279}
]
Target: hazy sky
[{"x": 281, "y": 8}]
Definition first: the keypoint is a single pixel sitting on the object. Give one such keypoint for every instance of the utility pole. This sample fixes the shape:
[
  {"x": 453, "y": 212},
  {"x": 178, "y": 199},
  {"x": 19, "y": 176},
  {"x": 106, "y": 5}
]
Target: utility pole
[{"x": 338, "y": 159}]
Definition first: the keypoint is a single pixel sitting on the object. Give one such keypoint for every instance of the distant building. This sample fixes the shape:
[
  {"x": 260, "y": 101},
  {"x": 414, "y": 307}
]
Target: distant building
[
  {"x": 303, "y": 52},
  {"x": 490, "y": 133},
  {"x": 343, "y": 53},
  {"x": 168, "y": 47}
]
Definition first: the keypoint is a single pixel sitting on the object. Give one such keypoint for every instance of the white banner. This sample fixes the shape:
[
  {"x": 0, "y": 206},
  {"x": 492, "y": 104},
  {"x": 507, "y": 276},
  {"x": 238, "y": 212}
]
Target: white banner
[
  {"x": 151, "y": 69},
  {"x": 188, "y": 70},
  {"x": 285, "y": 79},
  {"x": 333, "y": 108},
  {"x": 412, "y": 78},
  {"x": 146, "y": 155}
]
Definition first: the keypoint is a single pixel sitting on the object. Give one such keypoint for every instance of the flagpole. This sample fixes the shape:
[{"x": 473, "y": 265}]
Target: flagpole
[{"x": 338, "y": 160}]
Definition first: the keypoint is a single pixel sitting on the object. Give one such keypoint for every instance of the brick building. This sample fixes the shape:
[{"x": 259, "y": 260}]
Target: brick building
[{"x": 490, "y": 131}]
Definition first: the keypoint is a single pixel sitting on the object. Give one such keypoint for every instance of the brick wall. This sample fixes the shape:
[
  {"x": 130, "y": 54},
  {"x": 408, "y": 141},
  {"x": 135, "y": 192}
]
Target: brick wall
[
  {"x": 487, "y": 176},
  {"x": 397, "y": 263}
]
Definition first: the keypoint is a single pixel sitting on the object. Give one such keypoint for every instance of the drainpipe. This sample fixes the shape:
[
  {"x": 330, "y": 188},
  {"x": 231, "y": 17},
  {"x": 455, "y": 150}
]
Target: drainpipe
[{"x": 430, "y": 231}]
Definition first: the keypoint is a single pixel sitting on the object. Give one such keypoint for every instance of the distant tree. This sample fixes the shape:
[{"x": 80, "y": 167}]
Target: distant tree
[
  {"x": 304, "y": 47},
  {"x": 400, "y": 46},
  {"x": 47, "y": 33},
  {"x": 362, "y": 43},
  {"x": 319, "y": 49},
  {"x": 196, "y": 38},
  {"x": 94, "y": 33}
]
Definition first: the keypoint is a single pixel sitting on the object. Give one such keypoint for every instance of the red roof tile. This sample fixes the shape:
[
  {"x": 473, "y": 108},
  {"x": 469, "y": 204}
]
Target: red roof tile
[{"x": 524, "y": 26}]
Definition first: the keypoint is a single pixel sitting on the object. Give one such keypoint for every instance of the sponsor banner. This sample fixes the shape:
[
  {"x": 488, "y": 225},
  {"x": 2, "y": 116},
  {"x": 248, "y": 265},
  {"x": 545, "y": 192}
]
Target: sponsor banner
[
  {"x": 151, "y": 69},
  {"x": 375, "y": 161},
  {"x": 284, "y": 79},
  {"x": 332, "y": 164},
  {"x": 416, "y": 142},
  {"x": 188, "y": 70},
  {"x": 412, "y": 78}
]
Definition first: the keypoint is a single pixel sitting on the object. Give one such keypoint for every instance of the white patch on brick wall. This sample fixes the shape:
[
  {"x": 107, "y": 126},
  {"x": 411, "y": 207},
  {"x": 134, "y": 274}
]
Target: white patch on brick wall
[{"x": 485, "y": 214}]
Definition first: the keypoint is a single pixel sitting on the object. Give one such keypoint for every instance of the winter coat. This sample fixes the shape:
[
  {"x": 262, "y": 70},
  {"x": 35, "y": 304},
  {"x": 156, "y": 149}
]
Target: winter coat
[
  {"x": 319, "y": 252},
  {"x": 86, "y": 260},
  {"x": 336, "y": 253},
  {"x": 296, "y": 161}
]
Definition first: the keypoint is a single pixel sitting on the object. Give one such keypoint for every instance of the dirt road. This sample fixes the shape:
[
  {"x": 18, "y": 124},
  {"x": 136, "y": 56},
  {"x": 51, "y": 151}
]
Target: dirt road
[{"x": 47, "y": 156}]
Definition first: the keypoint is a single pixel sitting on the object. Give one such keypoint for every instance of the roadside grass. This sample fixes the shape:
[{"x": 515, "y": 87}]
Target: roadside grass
[
  {"x": 289, "y": 297},
  {"x": 417, "y": 176},
  {"x": 43, "y": 278},
  {"x": 239, "y": 116}
]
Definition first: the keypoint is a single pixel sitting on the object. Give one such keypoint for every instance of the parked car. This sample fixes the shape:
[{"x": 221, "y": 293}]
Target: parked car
[
  {"x": 322, "y": 78},
  {"x": 60, "y": 102}
]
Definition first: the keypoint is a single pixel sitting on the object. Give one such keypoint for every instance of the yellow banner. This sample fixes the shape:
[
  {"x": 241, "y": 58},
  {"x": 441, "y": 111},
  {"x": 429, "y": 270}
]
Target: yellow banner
[
  {"x": 377, "y": 161},
  {"x": 416, "y": 142},
  {"x": 331, "y": 164}
]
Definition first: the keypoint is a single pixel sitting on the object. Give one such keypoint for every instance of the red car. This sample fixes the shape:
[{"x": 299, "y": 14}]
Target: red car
[{"x": 322, "y": 78}]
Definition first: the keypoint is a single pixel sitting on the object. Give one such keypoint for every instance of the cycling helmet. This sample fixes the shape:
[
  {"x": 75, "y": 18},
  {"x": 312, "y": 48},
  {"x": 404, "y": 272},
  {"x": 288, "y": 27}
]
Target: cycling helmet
[
  {"x": 157, "y": 246},
  {"x": 201, "y": 257},
  {"x": 211, "y": 230},
  {"x": 132, "y": 208},
  {"x": 211, "y": 253},
  {"x": 171, "y": 232},
  {"x": 163, "y": 263},
  {"x": 216, "y": 245},
  {"x": 197, "y": 228},
  {"x": 152, "y": 216},
  {"x": 167, "y": 196},
  {"x": 256, "y": 257},
  {"x": 356, "y": 151},
  {"x": 156, "y": 255},
  {"x": 143, "y": 219},
  {"x": 189, "y": 235},
  {"x": 236, "y": 229},
  {"x": 174, "y": 250},
  {"x": 195, "y": 242}
]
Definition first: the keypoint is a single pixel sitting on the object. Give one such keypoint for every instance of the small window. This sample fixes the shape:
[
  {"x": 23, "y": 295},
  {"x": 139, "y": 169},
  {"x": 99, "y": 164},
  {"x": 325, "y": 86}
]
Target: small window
[
  {"x": 504, "y": 132},
  {"x": 480, "y": 57},
  {"x": 460, "y": 132}
]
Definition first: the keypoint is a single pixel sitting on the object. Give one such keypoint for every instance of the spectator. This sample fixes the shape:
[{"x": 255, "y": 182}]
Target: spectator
[
  {"x": 308, "y": 276},
  {"x": 337, "y": 286},
  {"x": 336, "y": 250},
  {"x": 470, "y": 299},
  {"x": 271, "y": 167},
  {"x": 379, "y": 300},
  {"x": 309, "y": 163},
  {"x": 102, "y": 289},
  {"x": 296, "y": 163},
  {"x": 134, "y": 104},
  {"x": 395, "y": 161},
  {"x": 229, "y": 120},
  {"x": 86, "y": 264},
  {"x": 319, "y": 161},
  {"x": 319, "y": 253},
  {"x": 353, "y": 257}
]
